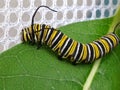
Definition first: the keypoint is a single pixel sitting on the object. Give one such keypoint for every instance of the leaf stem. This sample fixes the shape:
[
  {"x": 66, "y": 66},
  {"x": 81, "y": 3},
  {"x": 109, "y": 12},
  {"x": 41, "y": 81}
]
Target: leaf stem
[
  {"x": 116, "y": 19},
  {"x": 91, "y": 75}
]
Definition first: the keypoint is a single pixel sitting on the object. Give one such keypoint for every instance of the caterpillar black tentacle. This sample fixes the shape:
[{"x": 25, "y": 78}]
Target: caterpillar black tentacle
[
  {"x": 33, "y": 40},
  {"x": 68, "y": 48},
  {"x": 117, "y": 30}
]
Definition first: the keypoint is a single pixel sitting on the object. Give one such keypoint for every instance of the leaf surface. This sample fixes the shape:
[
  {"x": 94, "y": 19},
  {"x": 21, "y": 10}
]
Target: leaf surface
[{"x": 23, "y": 67}]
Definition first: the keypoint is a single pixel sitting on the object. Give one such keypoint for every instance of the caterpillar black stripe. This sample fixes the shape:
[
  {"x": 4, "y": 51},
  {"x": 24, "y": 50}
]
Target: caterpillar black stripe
[{"x": 68, "y": 48}]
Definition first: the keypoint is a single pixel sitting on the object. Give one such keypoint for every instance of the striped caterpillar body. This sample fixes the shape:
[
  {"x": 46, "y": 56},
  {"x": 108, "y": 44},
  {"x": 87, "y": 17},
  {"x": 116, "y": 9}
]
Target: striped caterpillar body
[{"x": 68, "y": 48}]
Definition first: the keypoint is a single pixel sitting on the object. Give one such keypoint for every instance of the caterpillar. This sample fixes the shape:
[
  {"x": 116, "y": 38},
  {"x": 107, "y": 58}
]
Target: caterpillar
[{"x": 68, "y": 48}]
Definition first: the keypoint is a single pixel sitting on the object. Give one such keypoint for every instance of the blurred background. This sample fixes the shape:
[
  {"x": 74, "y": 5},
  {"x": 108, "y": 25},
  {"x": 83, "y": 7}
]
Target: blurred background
[{"x": 16, "y": 14}]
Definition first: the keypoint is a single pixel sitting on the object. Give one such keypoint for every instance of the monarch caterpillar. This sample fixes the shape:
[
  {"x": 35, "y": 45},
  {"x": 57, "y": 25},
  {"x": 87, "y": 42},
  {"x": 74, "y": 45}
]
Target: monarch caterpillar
[{"x": 68, "y": 48}]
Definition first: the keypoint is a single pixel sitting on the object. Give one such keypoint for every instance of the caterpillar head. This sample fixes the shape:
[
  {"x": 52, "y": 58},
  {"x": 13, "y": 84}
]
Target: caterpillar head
[
  {"x": 27, "y": 34},
  {"x": 31, "y": 34}
]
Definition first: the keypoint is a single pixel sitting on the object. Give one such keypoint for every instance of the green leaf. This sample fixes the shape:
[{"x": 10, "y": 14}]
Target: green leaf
[{"x": 23, "y": 67}]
